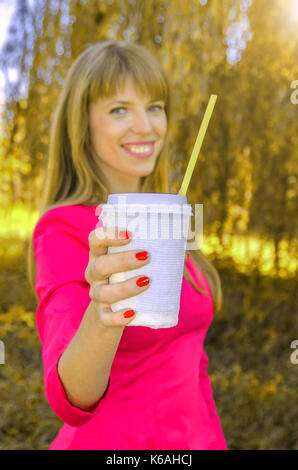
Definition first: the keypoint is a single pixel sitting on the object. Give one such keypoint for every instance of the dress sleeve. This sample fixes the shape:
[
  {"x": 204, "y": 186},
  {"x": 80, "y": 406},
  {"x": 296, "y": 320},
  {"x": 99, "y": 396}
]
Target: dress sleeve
[
  {"x": 208, "y": 396},
  {"x": 61, "y": 256}
]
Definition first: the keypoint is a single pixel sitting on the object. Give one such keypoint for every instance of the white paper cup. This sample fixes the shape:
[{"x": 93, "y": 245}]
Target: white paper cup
[{"x": 159, "y": 223}]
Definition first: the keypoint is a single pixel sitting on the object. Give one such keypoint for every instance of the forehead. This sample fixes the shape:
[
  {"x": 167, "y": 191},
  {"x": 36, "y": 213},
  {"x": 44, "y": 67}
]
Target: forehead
[
  {"x": 125, "y": 85},
  {"x": 128, "y": 87},
  {"x": 127, "y": 91}
]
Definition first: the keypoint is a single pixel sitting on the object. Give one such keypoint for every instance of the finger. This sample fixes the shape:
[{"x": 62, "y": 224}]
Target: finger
[
  {"x": 102, "y": 267},
  {"x": 101, "y": 238},
  {"x": 111, "y": 293},
  {"x": 109, "y": 318}
]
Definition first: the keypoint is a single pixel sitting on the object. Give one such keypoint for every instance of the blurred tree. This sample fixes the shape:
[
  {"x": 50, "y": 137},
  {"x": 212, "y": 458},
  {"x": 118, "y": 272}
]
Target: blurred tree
[
  {"x": 270, "y": 121},
  {"x": 244, "y": 51}
]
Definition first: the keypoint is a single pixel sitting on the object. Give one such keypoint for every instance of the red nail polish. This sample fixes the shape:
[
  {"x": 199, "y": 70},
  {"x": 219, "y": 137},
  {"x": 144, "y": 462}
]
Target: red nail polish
[
  {"x": 128, "y": 313},
  {"x": 143, "y": 281},
  {"x": 125, "y": 234},
  {"x": 142, "y": 255}
]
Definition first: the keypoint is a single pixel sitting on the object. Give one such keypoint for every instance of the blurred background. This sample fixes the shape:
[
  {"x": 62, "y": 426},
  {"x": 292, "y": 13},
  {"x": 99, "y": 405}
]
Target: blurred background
[{"x": 246, "y": 52}]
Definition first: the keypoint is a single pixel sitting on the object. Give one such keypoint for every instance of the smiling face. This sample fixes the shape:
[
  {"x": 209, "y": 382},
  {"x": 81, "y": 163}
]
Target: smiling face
[{"x": 127, "y": 134}]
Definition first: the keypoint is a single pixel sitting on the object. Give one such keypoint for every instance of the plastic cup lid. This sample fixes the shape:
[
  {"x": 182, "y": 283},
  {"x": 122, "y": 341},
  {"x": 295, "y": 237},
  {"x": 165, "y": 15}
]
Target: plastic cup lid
[{"x": 184, "y": 209}]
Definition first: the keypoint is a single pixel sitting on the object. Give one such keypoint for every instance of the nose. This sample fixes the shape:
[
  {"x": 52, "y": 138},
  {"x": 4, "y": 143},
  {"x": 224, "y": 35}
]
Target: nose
[{"x": 142, "y": 123}]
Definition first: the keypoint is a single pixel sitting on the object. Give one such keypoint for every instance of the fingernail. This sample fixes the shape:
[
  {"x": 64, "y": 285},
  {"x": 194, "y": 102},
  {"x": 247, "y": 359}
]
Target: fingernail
[
  {"x": 143, "y": 281},
  {"x": 142, "y": 255},
  {"x": 128, "y": 313},
  {"x": 125, "y": 234}
]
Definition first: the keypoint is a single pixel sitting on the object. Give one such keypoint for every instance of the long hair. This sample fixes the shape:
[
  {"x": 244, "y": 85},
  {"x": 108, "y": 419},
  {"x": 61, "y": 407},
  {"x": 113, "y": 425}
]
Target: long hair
[{"x": 72, "y": 175}]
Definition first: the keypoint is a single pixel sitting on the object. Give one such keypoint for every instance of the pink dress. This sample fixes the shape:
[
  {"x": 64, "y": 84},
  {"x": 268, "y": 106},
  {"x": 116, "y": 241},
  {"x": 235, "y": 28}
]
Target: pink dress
[{"x": 159, "y": 394}]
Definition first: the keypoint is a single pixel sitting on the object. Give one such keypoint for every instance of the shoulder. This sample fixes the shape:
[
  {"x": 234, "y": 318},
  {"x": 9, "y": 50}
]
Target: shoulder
[
  {"x": 61, "y": 246},
  {"x": 66, "y": 214},
  {"x": 75, "y": 220}
]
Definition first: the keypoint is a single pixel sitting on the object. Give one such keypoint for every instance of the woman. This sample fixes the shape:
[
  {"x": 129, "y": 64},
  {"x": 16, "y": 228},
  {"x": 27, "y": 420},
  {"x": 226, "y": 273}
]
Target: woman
[{"x": 116, "y": 387}]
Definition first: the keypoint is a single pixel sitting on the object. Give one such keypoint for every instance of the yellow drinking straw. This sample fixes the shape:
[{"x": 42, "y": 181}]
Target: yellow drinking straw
[{"x": 197, "y": 146}]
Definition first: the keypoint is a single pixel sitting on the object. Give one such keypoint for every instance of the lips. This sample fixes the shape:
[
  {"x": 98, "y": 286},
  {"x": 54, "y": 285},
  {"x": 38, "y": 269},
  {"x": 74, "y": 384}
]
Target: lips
[
  {"x": 131, "y": 149},
  {"x": 144, "y": 142}
]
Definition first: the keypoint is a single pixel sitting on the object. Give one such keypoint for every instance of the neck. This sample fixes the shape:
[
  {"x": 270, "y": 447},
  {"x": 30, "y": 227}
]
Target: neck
[
  {"x": 120, "y": 183},
  {"x": 124, "y": 188},
  {"x": 124, "y": 184}
]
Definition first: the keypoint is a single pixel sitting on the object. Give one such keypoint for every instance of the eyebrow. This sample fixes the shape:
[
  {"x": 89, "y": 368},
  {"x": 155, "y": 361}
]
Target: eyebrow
[{"x": 129, "y": 102}]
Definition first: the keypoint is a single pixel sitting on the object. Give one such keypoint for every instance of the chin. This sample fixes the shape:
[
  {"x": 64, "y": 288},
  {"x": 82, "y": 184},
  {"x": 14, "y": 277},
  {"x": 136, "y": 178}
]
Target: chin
[{"x": 144, "y": 172}]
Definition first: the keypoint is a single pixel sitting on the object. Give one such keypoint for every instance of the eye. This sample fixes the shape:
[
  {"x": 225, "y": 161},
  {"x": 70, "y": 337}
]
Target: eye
[
  {"x": 155, "y": 108},
  {"x": 158, "y": 106},
  {"x": 114, "y": 110}
]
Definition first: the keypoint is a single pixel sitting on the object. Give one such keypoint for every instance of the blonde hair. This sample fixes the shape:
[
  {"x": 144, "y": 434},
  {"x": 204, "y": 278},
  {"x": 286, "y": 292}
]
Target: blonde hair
[{"x": 72, "y": 175}]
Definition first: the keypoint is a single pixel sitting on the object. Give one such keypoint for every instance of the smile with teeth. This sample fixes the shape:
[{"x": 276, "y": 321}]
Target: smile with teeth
[{"x": 142, "y": 150}]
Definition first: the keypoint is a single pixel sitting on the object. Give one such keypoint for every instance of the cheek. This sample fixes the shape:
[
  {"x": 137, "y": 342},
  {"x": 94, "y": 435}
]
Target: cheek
[
  {"x": 98, "y": 129},
  {"x": 164, "y": 126},
  {"x": 164, "y": 121}
]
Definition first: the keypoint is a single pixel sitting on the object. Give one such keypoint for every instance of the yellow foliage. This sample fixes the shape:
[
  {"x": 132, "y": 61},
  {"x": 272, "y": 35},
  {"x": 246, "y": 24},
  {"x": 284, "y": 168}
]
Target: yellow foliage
[{"x": 17, "y": 313}]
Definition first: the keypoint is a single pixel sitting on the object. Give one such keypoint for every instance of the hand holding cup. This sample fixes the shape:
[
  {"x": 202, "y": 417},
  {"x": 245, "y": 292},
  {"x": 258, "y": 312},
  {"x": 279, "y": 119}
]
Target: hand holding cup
[{"x": 102, "y": 265}]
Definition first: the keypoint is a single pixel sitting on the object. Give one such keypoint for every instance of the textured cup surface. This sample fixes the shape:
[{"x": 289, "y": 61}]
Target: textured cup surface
[{"x": 159, "y": 224}]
